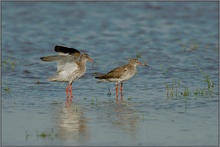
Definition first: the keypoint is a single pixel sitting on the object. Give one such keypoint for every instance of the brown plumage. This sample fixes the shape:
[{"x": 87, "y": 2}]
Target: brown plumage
[{"x": 121, "y": 74}]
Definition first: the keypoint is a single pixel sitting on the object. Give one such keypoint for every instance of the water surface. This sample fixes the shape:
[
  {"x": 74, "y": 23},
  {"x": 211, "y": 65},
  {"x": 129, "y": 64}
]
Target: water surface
[{"x": 174, "y": 38}]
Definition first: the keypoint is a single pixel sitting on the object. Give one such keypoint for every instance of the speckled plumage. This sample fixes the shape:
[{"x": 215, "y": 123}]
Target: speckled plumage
[
  {"x": 120, "y": 74},
  {"x": 71, "y": 65},
  {"x": 70, "y": 71}
]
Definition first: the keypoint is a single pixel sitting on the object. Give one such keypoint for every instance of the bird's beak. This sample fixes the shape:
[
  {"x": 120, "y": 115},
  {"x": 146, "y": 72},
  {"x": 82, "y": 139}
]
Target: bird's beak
[
  {"x": 143, "y": 64},
  {"x": 146, "y": 65},
  {"x": 94, "y": 62}
]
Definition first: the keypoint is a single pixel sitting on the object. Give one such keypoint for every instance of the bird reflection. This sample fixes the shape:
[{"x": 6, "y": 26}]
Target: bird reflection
[
  {"x": 72, "y": 125},
  {"x": 124, "y": 118},
  {"x": 127, "y": 116},
  {"x": 118, "y": 101}
]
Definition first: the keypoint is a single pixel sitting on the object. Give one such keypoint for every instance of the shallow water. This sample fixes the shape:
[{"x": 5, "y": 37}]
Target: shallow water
[{"x": 173, "y": 38}]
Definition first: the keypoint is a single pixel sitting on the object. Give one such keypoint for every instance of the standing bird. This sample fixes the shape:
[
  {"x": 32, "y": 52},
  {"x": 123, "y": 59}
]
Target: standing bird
[
  {"x": 71, "y": 65},
  {"x": 121, "y": 74}
]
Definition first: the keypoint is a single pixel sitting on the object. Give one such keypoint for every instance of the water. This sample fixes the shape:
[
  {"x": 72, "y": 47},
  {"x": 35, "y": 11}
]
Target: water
[{"x": 174, "y": 38}]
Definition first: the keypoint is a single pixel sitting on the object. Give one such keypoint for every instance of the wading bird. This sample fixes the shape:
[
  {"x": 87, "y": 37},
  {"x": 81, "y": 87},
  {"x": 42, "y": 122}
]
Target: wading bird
[
  {"x": 121, "y": 74},
  {"x": 71, "y": 65}
]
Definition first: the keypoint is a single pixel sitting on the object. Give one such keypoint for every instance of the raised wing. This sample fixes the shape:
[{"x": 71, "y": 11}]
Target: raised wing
[
  {"x": 66, "y": 50},
  {"x": 67, "y": 63},
  {"x": 64, "y": 62}
]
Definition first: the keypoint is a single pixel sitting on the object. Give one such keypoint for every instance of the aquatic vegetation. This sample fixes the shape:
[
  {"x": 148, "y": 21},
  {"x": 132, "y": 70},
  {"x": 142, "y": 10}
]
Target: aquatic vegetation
[
  {"x": 207, "y": 79},
  {"x": 169, "y": 90},
  {"x": 7, "y": 89},
  {"x": 199, "y": 91},
  {"x": 192, "y": 46},
  {"x": 109, "y": 92},
  {"x": 175, "y": 85},
  {"x": 27, "y": 135},
  {"x": 75, "y": 109},
  {"x": 185, "y": 92},
  {"x": 46, "y": 134},
  {"x": 37, "y": 81},
  {"x": 93, "y": 101},
  {"x": 9, "y": 63},
  {"x": 129, "y": 98},
  {"x": 138, "y": 54},
  {"x": 173, "y": 89}
]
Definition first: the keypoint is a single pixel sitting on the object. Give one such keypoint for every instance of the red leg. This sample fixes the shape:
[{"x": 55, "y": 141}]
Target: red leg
[
  {"x": 67, "y": 89},
  {"x": 69, "y": 96},
  {"x": 71, "y": 92},
  {"x": 116, "y": 91},
  {"x": 121, "y": 89}
]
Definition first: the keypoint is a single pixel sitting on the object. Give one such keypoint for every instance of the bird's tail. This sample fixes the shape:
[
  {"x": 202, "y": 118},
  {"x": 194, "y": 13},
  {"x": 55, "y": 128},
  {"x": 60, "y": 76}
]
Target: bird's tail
[{"x": 101, "y": 77}]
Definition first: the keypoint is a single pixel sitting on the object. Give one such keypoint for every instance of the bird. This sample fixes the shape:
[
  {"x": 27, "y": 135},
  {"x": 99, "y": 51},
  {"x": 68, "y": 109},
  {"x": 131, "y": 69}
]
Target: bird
[
  {"x": 71, "y": 66},
  {"x": 121, "y": 74}
]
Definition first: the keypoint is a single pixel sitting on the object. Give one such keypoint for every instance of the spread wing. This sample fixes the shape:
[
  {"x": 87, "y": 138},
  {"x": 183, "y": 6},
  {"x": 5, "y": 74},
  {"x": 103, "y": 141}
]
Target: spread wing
[
  {"x": 66, "y": 58},
  {"x": 66, "y": 50},
  {"x": 64, "y": 62}
]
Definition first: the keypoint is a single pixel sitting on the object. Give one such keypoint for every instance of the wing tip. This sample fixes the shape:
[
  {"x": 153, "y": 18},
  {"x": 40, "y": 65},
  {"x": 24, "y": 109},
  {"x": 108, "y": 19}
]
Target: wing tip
[{"x": 65, "y": 50}]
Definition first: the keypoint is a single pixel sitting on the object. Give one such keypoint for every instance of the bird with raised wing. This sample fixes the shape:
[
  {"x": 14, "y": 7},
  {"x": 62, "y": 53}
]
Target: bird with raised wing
[{"x": 71, "y": 65}]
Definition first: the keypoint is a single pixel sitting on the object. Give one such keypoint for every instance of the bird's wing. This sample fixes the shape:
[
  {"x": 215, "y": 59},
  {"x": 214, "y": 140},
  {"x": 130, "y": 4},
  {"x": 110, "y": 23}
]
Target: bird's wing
[
  {"x": 67, "y": 63},
  {"x": 115, "y": 73},
  {"x": 64, "y": 62},
  {"x": 66, "y": 58},
  {"x": 66, "y": 50}
]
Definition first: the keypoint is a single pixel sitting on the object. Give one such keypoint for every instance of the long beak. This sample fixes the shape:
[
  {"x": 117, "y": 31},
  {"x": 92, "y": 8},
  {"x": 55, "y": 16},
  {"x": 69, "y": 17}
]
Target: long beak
[
  {"x": 93, "y": 61},
  {"x": 143, "y": 64},
  {"x": 146, "y": 65}
]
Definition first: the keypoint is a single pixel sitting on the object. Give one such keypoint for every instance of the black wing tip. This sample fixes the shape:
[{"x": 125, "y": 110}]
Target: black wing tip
[
  {"x": 42, "y": 58},
  {"x": 64, "y": 49},
  {"x": 102, "y": 76}
]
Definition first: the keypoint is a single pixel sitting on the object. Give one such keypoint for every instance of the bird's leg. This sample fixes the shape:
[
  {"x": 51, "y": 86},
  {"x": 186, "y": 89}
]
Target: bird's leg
[
  {"x": 121, "y": 89},
  {"x": 68, "y": 95},
  {"x": 71, "y": 93},
  {"x": 67, "y": 89},
  {"x": 68, "y": 92},
  {"x": 116, "y": 90}
]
